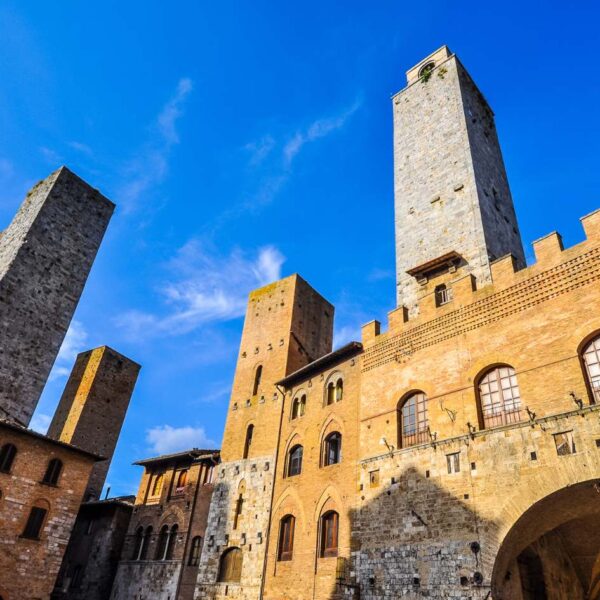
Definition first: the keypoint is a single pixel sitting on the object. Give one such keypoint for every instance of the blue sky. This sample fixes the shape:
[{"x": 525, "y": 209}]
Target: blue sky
[{"x": 244, "y": 141}]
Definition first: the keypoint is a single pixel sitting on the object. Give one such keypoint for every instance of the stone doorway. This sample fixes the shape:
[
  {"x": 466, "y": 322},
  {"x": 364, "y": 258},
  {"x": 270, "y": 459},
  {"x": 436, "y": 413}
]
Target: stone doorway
[{"x": 552, "y": 552}]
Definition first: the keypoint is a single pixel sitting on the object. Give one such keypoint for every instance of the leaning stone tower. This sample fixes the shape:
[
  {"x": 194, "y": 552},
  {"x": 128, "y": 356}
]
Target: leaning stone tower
[
  {"x": 287, "y": 326},
  {"x": 453, "y": 207}
]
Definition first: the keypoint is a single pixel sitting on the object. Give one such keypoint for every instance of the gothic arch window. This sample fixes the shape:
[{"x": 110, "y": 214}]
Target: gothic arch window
[
  {"x": 329, "y": 534},
  {"x": 248, "y": 441},
  {"x": 230, "y": 566},
  {"x": 137, "y": 544},
  {"x": 257, "y": 380},
  {"x": 170, "y": 551},
  {"x": 413, "y": 423},
  {"x": 181, "y": 480},
  {"x": 286, "y": 538},
  {"x": 53, "y": 472},
  {"x": 194, "y": 559},
  {"x": 294, "y": 463},
  {"x": 157, "y": 485},
  {"x": 591, "y": 359},
  {"x": 499, "y": 397},
  {"x": 299, "y": 406},
  {"x": 161, "y": 546},
  {"x": 7, "y": 457},
  {"x": 332, "y": 449},
  {"x": 334, "y": 391},
  {"x": 145, "y": 543}
]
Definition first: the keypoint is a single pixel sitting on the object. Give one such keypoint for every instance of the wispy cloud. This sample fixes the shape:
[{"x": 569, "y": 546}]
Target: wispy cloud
[
  {"x": 72, "y": 345},
  {"x": 82, "y": 148},
  {"x": 151, "y": 164},
  {"x": 40, "y": 422},
  {"x": 378, "y": 274},
  {"x": 260, "y": 149},
  {"x": 205, "y": 287},
  {"x": 165, "y": 439}
]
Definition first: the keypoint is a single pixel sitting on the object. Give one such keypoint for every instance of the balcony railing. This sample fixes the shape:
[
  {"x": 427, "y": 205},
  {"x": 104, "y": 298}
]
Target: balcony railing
[{"x": 494, "y": 416}]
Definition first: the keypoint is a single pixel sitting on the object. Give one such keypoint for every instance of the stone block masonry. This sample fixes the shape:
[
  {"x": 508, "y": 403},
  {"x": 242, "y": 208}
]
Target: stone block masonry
[{"x": 46, "y": 254}]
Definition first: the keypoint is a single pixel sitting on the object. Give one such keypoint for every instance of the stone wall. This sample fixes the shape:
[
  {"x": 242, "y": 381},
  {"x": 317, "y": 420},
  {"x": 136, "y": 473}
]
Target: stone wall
[
  {"x": 147, "y": 580},
  {"x": 46, "y": 254}
]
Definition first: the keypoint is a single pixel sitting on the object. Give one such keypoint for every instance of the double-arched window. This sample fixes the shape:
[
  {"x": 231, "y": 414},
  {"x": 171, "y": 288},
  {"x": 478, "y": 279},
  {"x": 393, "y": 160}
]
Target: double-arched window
[
  {"x": 499, "y": 397},
  {"x": 591, "y": 359},
  {"x": 294, "y": 463},
  {"x": 7, "y": 457},
  {"x": 53, "y": 471},
  {"x": 335, "y": 391},
  {"x": 299, "y": 406},
  {"x": 413, "y": 423},
  {"x": 286, "y": 538},
  {"x": 142, "y": 543},
  {"x": 332, "y": 449},
  {"x": 167, "y": 539},
  {"x": 230, "y": 566}
]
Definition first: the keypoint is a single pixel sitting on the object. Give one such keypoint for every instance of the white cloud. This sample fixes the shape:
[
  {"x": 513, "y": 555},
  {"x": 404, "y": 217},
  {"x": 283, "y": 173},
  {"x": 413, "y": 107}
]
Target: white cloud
[
  {"x": 205, "y": 288},
  {"x": 173, "y": 109},
  {"x": 260, "y": 150},
  {"x": 72, "y": 345},
  {"x": 165, "y": 439},
  {"x": 80, "y": 147},
  {"x": 40, "y": 422},
  {"x": 345, "y": 335}
]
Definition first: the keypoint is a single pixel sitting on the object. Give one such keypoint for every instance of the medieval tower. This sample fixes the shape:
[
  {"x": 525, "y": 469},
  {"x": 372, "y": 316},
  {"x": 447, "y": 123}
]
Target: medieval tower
[
  {"x": 46, "y": 254},
  {"x": 453, "y": 203}
]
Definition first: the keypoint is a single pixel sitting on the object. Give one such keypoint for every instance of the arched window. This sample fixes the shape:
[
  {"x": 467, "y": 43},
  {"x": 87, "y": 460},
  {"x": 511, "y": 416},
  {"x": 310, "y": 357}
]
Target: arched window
[
  {"x": 146, "y": 543},
  {"x": 7, "y": 457},
  {"x": 298, "y": 406},
  {"x": 248, "y": 442},
  {"x": 161, "y": 545},
  {"x": 239, "y": 507},
  {"x": 294, "y": 461},
  {"x": 35, "y": 522},
  {"x": 286, "y": 538},
  {"x": 181, "y": 480},
  {"x": 443, "y": 294},
  {"x": 330, "y": 393},
  {"x": 591, "y": 359},
  {"x": 257, "y": 378},
  {"x": 499, "y": 397},
  {"x": 332, "y": 449},
  {"x": 172, "y": 541},
  {"x": 329, "y": 534},
  {"x": 413, "y": 424},
  {"x": 137, "y": 544},
  {"x": 52, "y": 472},
  {"x": 339, "y": 390},
  {"x": 230, "y": 566},
  {"x": 157, "y": 485},
  {"x": 194, "y": 559}
]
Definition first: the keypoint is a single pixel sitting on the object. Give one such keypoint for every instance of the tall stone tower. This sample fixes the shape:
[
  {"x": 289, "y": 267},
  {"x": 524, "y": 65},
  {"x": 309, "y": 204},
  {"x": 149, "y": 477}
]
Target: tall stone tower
[
  {"x": 288, "y": 325},
  {"x": 454, "y": 210},
  {"x": 45, "y": 256},
  {"x": 92, "y": 408}
]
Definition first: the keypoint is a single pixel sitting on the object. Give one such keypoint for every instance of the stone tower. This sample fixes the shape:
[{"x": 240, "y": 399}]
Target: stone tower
[
  {"x": 287, "y": 326},
  {"x": 45, "y": 256},
  {"x": 453, "y": 208},
  {"x": 92, "y": 408}
]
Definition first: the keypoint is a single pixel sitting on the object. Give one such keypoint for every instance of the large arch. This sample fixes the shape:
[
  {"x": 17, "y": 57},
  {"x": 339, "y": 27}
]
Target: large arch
[{"x": 552, "y": 551}]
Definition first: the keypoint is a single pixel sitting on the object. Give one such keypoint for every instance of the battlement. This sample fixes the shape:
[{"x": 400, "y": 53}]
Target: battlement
[{"x": 467, "y": 306}]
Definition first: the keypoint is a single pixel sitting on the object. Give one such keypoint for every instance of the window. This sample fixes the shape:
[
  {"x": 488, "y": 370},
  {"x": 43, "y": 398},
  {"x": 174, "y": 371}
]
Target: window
[
  {"x": 286, "y": 538},
  {"x": 335, "y": 391},
  {"x": 332, "y": 450},
  {"x": 500, "y": 397},
  {"x": 443, "y": 295},
  {"x": 453, "y": 462},
  {"x": 52, "y": 472},
  {"x": 230, "y": 566},
  {"x": 374, "y": 478},
  {"x": 412, "y": 421},
  {"x": 330, "y": 393},
  {"x": 239, "y": 506},
  {"x": 145, "y": 544},
  {"x": 564, "y": 443},
  {"x": 248, "y": 442},
  {"x": 34, "y": 524},
  {"x": 425, "y": 70},
  {"x": 591, "y": 358},
  {"x": 161, "y": 546},
  {"x": 137, "y": 544},
  {"x": 329, "y": 534},
  {"x": 157, "y": 485},
  {"x": 257, "y": 378},
  {"x": 172, "y": 541},
  {"x": 194, "y": 559},
  {"x": 298, "y": 407},
  {"x": 7, "y": 457},
  {"x": 295, "y": 461},
  {"x": 181, "y": 481},
  {"x": 339, "y": 390}
]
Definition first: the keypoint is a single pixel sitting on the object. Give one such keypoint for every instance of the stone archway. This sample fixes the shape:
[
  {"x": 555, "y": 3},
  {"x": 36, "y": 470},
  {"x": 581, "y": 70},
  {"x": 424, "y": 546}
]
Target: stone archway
[{"x": 552, "y": 552}]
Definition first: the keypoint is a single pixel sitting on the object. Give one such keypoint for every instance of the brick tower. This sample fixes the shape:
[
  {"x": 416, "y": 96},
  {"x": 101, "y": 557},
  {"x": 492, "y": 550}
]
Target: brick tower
[
  {"x": 287, "y": 326},
  {"x": 92, "y": 408},
  {"x": 45, "y": 256},
  {"x": 454, "y": 210}
]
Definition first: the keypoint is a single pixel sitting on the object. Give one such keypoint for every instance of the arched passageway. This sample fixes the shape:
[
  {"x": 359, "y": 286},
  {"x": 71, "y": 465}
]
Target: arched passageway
[{"x": 552, "y": 552}]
